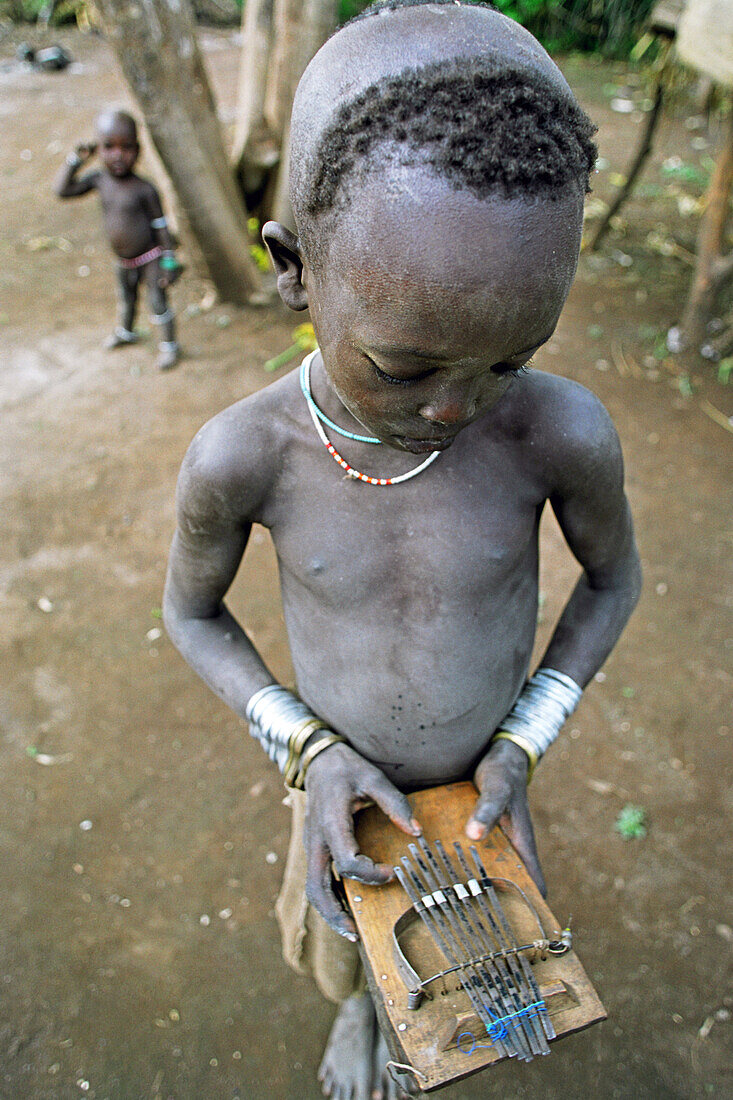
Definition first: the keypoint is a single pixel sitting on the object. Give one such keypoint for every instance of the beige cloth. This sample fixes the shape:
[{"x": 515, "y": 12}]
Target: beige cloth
[
  {"x": 310, "y": 947},
  {"x": 705, "y": 38}
]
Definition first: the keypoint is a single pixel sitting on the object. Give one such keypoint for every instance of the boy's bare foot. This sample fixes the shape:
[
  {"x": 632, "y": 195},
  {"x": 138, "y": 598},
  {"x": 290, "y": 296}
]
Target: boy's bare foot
[
  {"x": 121, "y": 337},
  {"x": 354, "y": 1062},
  {"x": 169, "y": 355},
  {"x": 345, "y": 1072}
]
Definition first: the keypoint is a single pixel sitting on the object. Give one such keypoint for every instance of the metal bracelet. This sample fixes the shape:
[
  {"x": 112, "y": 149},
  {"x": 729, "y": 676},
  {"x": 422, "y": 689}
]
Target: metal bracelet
[
  {"x": 526, "y": 747},
  {"x": 298, "y": 739},
  {"x": 547, "y": 700},
  {"x": 311, "y": 753},
  {"x": 283, "y": 724}
]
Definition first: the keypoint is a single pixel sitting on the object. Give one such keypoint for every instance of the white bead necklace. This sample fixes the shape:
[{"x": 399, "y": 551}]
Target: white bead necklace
[{"x": 350, "y": 471}]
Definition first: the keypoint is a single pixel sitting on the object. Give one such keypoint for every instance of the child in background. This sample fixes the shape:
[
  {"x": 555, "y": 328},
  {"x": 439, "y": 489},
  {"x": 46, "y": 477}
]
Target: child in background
[
  {"x": 136, "y": 228},
  {"x": 439, "y": 163}
]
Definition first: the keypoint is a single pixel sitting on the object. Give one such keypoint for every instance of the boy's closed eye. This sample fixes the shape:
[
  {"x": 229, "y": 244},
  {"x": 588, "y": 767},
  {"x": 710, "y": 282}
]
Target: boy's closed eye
[
  {"x": 503, "y": 369},
  {"x": 392, "y": 380}
]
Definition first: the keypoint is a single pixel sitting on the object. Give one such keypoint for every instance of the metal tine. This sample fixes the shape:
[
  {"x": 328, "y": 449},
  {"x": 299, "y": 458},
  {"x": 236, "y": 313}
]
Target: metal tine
[
  {"x": 446, "y": 877},
  {"x": 488, "y": 997},
  {"x": 432, "y": 920},
  {"x": 432, "y": 878},
  {"x": 520, "y": 983},
  {"x": 517, "y": 990},
  {"x": 470, "y": 981},
  {"x": 526, "y": 968}
]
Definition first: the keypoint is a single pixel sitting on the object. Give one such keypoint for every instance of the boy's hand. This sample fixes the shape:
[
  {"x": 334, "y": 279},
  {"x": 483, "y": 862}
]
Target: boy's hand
[
  {"x": 170, "y": 268},
  {"x": 501, "y": 778},
  {"x": 86, "y": 151},
  {"x": 339, "y": 782}
]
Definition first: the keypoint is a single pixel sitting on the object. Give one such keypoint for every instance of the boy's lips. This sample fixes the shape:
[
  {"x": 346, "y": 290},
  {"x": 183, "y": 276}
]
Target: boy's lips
[{"x": 424, "y": 446}]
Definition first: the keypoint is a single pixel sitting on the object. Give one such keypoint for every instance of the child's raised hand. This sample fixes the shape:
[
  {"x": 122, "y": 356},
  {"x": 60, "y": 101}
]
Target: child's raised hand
[
  {"x": 501, "y": 778},
  {"x": 86, "y": 150},
  {"x": 339, "y": 782}
]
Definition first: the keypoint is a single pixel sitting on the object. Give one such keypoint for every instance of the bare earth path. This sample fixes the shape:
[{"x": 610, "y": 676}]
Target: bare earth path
[{"x": 141, "y": 846}]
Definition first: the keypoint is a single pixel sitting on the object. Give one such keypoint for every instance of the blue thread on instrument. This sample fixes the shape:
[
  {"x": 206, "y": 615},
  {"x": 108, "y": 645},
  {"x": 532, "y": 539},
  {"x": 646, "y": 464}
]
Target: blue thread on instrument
[{"x": 497, "y": 1030}]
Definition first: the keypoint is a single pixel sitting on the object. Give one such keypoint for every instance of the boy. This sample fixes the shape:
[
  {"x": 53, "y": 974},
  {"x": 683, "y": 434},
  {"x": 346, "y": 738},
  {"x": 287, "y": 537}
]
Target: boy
[
  {"x": 439, "y": 165},
  {"x": 135, "y": 225}
]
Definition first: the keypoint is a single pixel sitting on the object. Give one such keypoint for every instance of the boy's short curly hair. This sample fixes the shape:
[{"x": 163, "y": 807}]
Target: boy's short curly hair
[
  {"x": 505, "y": 132},
  {"x": 491, "y": 115}
]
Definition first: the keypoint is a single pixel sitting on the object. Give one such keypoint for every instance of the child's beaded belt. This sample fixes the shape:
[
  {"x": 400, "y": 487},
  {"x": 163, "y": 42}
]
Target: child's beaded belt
[{"x": 140, "y": 261}]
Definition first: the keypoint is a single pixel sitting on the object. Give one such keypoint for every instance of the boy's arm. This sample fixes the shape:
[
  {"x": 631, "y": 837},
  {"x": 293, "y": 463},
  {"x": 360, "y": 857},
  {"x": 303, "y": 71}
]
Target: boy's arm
[
  {"x": 68, "y": 185},
  {"x": 158, "y": 219},
  {"x": 588, "y": 499},
  {"x": 210, "y": 539}
]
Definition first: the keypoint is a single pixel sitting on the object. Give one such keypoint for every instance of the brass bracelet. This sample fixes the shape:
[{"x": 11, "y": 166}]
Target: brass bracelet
[
  {"x": 522, "y": 743},
  {"x": 311, "y": 753},
  {"x": 300, "y": 735}
]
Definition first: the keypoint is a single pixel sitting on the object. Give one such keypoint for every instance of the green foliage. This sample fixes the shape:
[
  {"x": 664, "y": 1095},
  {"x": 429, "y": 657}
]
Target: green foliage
[
  {"x": 725, "y": 367},
  {"x": 304, "y": 339},
  {"x": 631, "y": 822},
  {"x": 675, "y": 169},
  {"x": 21, "y": 11},
  {"x": 349, "y": 8},
  {"x": 257, "y": 251},
  {"x": 611, "y": 27},
  {"x": 29, "y": 11}
]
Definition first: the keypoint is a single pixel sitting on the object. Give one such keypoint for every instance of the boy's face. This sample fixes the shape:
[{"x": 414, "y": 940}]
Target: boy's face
[
  {"x": 118, "y": 148},
  {"x": 430, "y": 298}
]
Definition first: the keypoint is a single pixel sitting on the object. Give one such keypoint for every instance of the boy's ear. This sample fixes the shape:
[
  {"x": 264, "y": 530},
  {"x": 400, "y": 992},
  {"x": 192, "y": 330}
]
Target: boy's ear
[{"x": 288, "y": 263}]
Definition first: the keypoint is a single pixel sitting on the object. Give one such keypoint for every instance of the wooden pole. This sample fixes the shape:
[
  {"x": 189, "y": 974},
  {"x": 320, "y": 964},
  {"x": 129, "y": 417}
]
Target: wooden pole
[
  {"x": 157, "y": 49},
  {"x": 712, "y": 269}
]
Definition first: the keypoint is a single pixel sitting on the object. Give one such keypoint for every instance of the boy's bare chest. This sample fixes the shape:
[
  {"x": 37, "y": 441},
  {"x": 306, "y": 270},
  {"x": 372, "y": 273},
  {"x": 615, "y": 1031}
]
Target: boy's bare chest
[
  {"x": 121, "y": 199},
  {"x": 462, "y": 528}
]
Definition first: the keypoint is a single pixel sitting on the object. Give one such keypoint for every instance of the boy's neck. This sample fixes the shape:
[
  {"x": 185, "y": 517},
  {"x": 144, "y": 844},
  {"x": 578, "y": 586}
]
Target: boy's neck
[
  {"x": 328, "y": 400},
  {"x": 122, "y": 179}
]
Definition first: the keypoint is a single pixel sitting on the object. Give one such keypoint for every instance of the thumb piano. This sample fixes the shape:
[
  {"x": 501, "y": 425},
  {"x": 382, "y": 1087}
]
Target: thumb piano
[{"x": 464, "y": 960}]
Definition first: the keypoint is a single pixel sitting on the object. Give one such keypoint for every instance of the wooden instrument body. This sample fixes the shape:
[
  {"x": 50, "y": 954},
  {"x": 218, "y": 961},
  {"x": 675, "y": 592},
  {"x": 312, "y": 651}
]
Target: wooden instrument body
[{"x": 443, "y": 1039}]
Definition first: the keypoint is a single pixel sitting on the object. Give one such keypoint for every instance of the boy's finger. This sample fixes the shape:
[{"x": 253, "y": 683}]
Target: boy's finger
[
  {"x": 520, "y": 831},
  {"x": 487, "y": 811},
  {"x": 338, "y": 834},
  {"x": 394, "y": 804},
  {"x": 363, "y": 869},
  {"x": 320, "y": 894}
]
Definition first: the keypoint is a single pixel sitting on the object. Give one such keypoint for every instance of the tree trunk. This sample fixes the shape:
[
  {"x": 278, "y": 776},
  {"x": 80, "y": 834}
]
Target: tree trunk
[
  {"x": 280, "y": 38},
  {"x": 256, "y": 150},
  {"x": 155, "y": 42},
  {"x": 712, "y": 268}
]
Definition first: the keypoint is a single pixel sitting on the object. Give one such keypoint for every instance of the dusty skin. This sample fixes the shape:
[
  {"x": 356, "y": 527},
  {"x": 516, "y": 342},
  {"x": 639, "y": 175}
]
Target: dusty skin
[{"x": 140, "y": 956}]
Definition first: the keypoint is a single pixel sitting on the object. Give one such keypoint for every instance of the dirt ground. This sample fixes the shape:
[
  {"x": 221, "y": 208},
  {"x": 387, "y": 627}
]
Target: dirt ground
[{"x": 142, "y": 831}]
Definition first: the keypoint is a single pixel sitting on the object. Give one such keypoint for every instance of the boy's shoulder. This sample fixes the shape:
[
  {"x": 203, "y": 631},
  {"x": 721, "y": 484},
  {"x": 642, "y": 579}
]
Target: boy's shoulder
[
  {"x": 555, "y": 397},
  {"x": 146, "y": 186},
  {"x": 563, "y": 426},
  {"x": 239, "y": 452},
  {"x": 552, "y": 403}
]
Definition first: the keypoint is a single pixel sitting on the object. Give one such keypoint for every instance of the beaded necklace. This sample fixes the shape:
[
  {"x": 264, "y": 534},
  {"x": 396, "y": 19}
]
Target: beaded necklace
[
  {"x": 317, "y": 415},
  {"x": 305, "y": 385}
]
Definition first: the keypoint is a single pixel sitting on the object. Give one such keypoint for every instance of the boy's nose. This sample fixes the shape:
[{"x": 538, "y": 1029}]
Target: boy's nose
[{"x": 449, "y": 409}]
